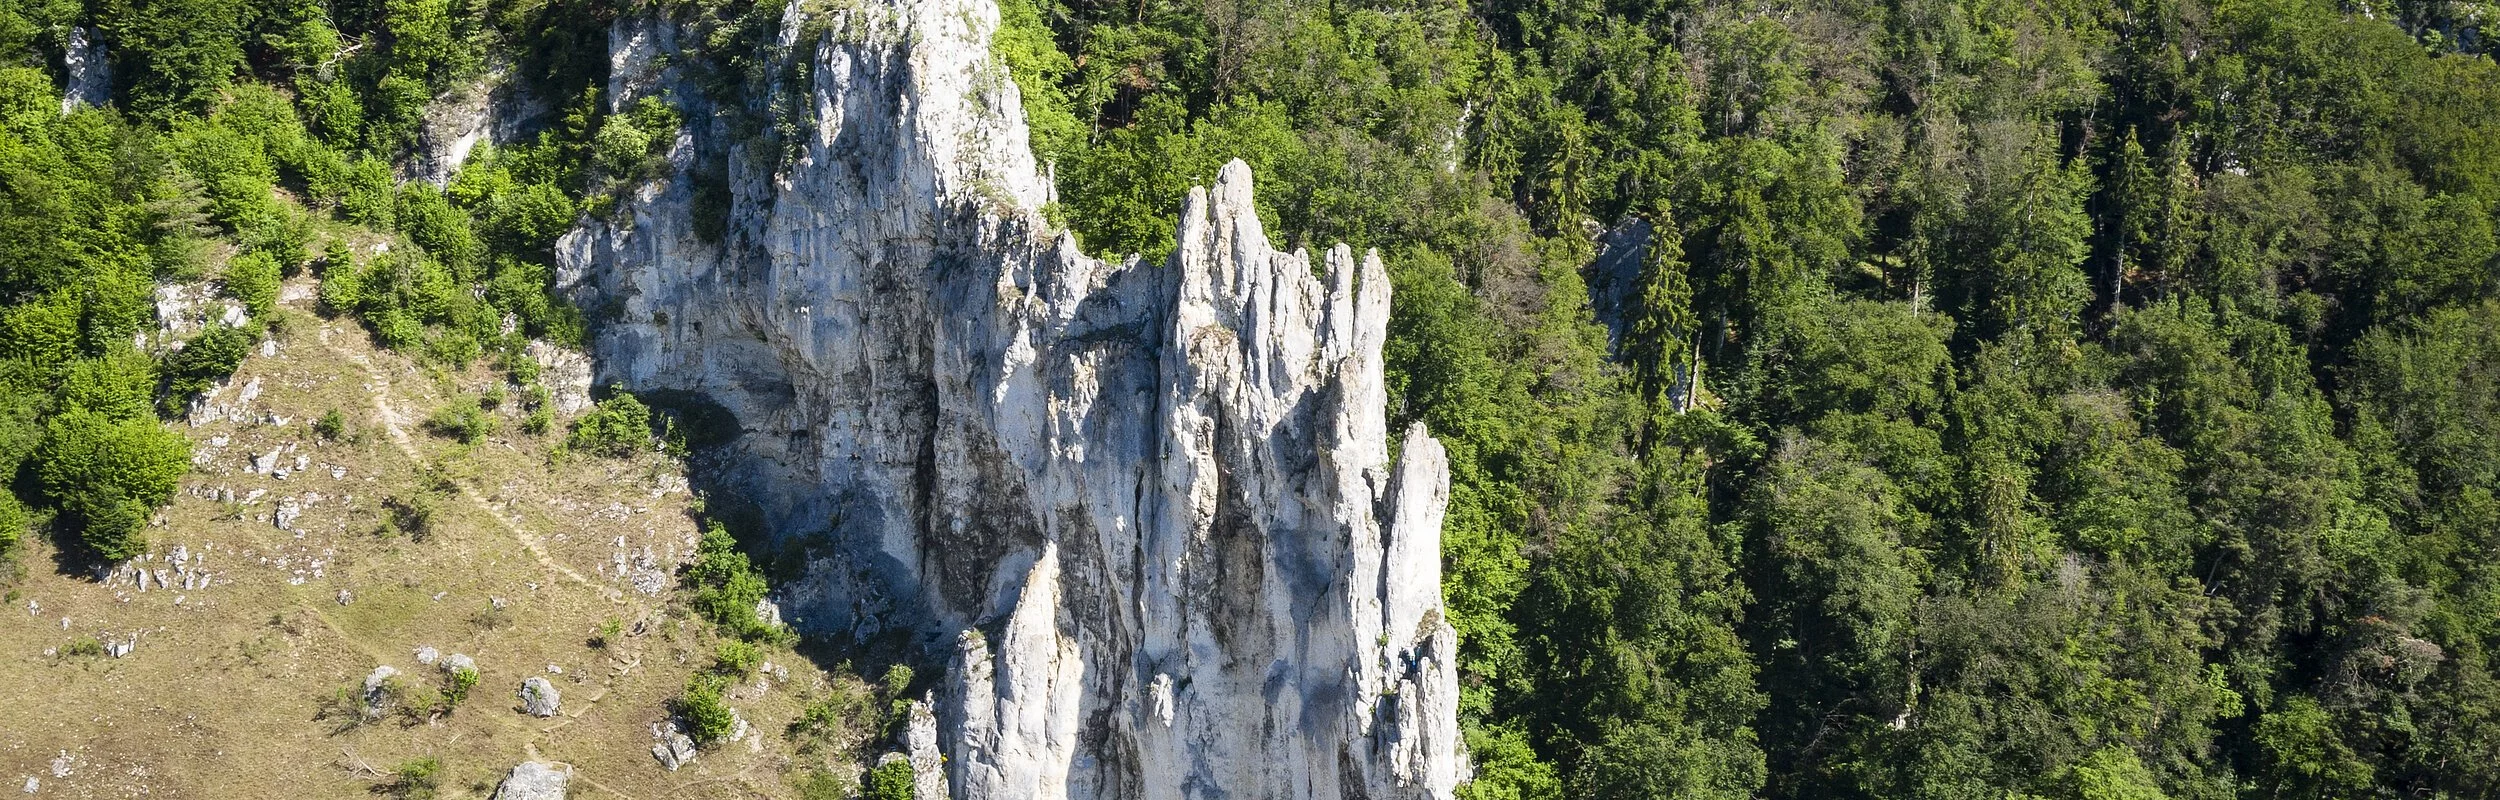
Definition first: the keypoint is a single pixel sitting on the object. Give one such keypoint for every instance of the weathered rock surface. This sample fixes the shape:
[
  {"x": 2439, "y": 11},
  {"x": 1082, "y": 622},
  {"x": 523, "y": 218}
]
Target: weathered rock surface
[
  {"x": 674, "y": 750},
  {"x": 539, "y": 698},
  {"x": 535, "y": 780},
  {"x": 1146, "y": 514}
]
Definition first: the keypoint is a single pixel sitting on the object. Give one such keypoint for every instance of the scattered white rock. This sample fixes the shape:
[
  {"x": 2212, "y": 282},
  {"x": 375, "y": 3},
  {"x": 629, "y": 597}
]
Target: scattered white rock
[
  {"x": 289, "y": 510},
  {"x": 346, "y": 597},
  {"x": 427, "y": 654},
  {"x": 457, "y": 662},
  {"x": 33, "y": 785}
]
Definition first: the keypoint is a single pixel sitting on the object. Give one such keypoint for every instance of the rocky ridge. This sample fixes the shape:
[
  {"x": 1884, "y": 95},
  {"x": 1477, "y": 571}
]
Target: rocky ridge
[{"x": 1148, "y": 513}]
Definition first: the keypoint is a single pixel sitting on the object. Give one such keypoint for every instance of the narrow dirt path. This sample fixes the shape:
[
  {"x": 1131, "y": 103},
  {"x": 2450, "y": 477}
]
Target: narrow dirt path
[{"x": 397, "y": 425}]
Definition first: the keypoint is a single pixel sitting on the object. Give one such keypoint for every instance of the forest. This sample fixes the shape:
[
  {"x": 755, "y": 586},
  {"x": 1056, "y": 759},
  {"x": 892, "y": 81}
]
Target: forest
[{"x": 2083, "y": 399}]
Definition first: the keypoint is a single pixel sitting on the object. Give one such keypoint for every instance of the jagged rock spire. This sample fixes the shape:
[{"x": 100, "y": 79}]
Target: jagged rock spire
[{"x": 1146, "y": 513}]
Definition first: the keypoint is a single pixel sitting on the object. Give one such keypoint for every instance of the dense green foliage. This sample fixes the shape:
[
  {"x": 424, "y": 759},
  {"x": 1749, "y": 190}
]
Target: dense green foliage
[
  {"x": 2062, "y": 398},
  {"x": 247, "y": 141},
  {"x": 892, "y": 780},
  {"x": 2070, "y": 398},
  {"x": 727, "y": 589},
  {"x": 619, "y": 427},
  {"x": 707, "y": 717},
  {"x": 92, "y": 211}
]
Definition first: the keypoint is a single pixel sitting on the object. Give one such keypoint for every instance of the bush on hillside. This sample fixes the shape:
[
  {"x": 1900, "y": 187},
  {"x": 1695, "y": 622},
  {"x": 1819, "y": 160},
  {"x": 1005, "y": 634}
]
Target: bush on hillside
[
  {"x": 206, "y": 359},
  {"x": 618, "y": 428},
  {"x": 109, "y": 475},
  {"x": 253, "y": 278}
]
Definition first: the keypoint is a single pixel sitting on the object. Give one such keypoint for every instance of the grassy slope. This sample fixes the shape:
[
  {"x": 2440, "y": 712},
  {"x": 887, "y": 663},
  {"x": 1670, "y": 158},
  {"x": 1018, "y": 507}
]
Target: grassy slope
[{"x": 226, "y": 692}]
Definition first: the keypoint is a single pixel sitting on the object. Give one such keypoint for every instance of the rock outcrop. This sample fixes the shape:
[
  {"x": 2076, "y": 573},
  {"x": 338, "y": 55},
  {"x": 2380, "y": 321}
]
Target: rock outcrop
[
  {"x": 1147, "y": 514},
  {"x": 535, "y": 780}
]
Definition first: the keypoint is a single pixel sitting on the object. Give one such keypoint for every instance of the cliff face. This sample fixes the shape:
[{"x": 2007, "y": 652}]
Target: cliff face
[{"x": 1150, "y": 510}]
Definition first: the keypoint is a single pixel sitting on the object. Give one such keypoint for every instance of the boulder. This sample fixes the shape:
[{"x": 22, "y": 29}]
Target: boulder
[
  {"x": 539, "y": 698},
  {"x": 535, "y": 780}
]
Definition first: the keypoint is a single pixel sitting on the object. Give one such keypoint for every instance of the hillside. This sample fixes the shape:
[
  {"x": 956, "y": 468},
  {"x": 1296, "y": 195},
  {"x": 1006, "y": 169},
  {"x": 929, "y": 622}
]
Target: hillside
[{"x": 293, "y": 561}]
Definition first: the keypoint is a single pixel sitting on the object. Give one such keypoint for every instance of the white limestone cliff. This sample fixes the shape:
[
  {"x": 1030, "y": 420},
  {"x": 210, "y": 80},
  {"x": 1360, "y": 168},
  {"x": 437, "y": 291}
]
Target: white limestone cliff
[{"x": 1147, "y": 513}]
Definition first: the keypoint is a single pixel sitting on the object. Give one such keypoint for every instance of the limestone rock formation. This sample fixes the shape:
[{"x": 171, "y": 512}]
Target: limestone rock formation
[{"x": 1146, "y": 514}]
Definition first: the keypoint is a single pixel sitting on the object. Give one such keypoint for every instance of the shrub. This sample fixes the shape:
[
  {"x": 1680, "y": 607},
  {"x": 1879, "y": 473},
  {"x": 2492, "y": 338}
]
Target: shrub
[
  {"x": 707, "y": 716},
  {"x": 367, "y": 196},
  {"x": 430, "y": 220},
  {"x": 111, "y": 523},
  {"x": 415, "y": 779},
  {"x": 736, "y": 659},
  {"x": 409, "y": 514},
  {"x": 342, "y": 285},
  {"x": 332, "y": 425},
  {"x": 821, "y": 786},
  {"x": 619, "y": 427},
  {"x": 619, "y": 146},
  {"x": 456, "y": 688},
  {"x": 607, "y": 633},
  {"x": 538, "y": 421},
  {"x": 253, "y": 278},
  {"x": 206, "y": 359},
  {"x": 284, "y": 235},
  {"x": 727, "y": 587},
  {"x": 462, "y": 420},
  {"x": 891, "y": 780},
  {"x": 14, "y": 517},
  {"x": 820, "y": 721},
  {"x": 897, "y": 680},
  {"x": 121, "y": 385},
  {"x": 108, "y": 475}
]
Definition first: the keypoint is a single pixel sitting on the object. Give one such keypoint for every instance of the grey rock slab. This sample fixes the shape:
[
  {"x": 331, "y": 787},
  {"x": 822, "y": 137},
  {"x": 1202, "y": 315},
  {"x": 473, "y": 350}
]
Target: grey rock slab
[{"x": 535, "y": 780}]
